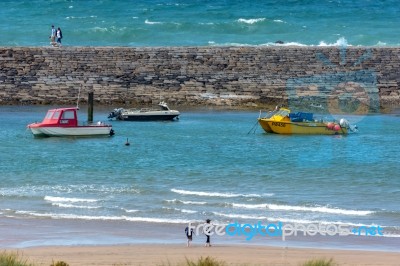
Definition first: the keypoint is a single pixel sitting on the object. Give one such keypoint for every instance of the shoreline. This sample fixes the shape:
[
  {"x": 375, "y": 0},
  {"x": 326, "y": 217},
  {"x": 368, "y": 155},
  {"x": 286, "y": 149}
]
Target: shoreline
[
  {"x": 23, "y": 233},
  {"x": 392, "y": 109},
  {"x": 171, "y": 254}
]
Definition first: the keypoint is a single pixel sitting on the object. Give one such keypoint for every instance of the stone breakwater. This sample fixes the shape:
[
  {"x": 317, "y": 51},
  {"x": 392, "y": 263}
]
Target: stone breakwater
[{"x": 193, "y": 76}]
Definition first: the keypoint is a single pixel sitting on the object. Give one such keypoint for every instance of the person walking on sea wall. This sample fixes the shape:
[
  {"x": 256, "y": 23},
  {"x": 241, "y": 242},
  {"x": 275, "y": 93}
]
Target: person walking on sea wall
[
  {"x": 59, "y": 36},
  {"x": 53, "y": 36}
]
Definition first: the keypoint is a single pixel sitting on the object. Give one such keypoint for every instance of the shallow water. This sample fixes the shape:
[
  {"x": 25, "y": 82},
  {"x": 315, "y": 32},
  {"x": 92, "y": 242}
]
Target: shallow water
[{"x": 205, "y": 165}]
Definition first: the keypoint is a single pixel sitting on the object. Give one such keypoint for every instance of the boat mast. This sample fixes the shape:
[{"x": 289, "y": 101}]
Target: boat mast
[{"x": 79, "y": 95}]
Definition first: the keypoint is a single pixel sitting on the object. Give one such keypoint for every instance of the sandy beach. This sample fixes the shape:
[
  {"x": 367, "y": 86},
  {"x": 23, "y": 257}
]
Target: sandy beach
[{"x": 159, "y": 254}]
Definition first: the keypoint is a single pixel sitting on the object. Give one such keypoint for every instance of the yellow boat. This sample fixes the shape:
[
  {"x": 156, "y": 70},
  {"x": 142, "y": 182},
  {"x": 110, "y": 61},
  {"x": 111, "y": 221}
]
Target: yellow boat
[{"x": 283, "y": 121}]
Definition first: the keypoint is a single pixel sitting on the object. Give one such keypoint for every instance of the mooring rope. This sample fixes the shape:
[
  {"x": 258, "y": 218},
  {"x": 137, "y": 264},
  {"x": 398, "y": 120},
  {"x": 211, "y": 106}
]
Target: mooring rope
[{"x": 254, "y": 128}]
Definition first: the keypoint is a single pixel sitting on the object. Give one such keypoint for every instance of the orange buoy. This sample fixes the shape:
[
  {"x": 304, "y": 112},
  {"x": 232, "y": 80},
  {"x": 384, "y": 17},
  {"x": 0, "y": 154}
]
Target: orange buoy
[{"x": 336, "y": 127}]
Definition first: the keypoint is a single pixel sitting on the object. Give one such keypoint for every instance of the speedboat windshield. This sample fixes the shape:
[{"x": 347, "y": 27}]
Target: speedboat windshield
[
  {"x": 49, "y": 115},
  {"x": 283, "y": 112}
]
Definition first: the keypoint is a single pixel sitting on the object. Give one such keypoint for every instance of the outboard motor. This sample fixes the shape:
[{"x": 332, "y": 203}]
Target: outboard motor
[
  {"x": 115, "y": 113},
  {"x": 344, "y": 123}
]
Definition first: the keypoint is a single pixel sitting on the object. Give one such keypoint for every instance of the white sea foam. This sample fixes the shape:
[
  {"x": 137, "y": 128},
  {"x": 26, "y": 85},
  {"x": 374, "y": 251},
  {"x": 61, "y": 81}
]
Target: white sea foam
[
  {"x": 215, "y": 194},
  {"x": 381, "y": 43},
  {"x": 152, "y": 22},
  {"x": 194, "y": 202},
  {"x": 99, "y": 29},
  {"x": 279, "y": 21},
  {"x": 302, "y": 208},
  {"x": 73, "y": 17},
  {"x": 63, "y": 205},
  {"x": 185, "y": 210},
  {"x": 105, "y": 218},
  {"x": 62, "y": 199},
  {"x": 240, "y": 216},
  {"x": 286, "y": 220},
  {"x": 250, "y": 21},
  {"x": 130, "y": 211},
  {"x": 340, "y": 42},
  {"x": 187, "y": 202}
]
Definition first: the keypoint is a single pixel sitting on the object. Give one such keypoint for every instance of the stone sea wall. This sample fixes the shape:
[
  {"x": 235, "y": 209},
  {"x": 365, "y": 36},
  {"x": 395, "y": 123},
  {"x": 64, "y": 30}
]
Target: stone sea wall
[{"x": 196, "y": 76}]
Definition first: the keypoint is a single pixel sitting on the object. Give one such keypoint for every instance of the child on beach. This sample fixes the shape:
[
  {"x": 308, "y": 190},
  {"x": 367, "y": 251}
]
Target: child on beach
[
  {"x": 207, "y": 233},
  {"x": 189, "y": 235}
]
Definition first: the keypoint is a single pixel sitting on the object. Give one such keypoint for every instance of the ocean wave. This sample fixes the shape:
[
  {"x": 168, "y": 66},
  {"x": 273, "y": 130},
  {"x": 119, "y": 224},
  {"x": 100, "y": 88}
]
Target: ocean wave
[
  {"x": 72, "y": 17},
  {"x": 186, "y": 202},
  {"x": 152, "y": 22},
  {"x": 62, "y": 199},
  {"x": 379, "y": 43},
  {"x": 250, "y": 21},
  {"x": 30, "y": 191},
  {"x": 185, "y": 210},
  {"x": 263, "y": 219},
  {"x": 218, "y": 194},
  {"x": 129, "y": 211},
  {"x": 240, "y": 216},
  {"x": 105, "y": 218},
  {"x": 340, "y": 42},
  {"x": 63, "y": 205},
  {"x": 321, "y": 209}
]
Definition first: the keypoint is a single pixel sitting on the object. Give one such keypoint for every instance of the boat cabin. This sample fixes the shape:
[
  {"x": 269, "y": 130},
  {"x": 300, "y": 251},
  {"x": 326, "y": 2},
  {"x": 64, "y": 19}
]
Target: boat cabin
[
  {"x": 163, "y": 105},
  {"x": 64, "y": 117}
]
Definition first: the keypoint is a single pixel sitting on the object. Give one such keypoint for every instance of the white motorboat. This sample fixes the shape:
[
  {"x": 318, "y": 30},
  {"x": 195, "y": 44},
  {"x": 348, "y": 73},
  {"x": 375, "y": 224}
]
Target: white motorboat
[{"x": 145, "y": 114}]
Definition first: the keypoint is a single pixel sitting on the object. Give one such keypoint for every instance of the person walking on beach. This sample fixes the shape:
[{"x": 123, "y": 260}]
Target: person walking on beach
[
  {"x": 207, "y": 232},
  {"x": 189, "y": 235},
  {"x": 53, "y": 35},
  {"x": 59, "y": 36}
]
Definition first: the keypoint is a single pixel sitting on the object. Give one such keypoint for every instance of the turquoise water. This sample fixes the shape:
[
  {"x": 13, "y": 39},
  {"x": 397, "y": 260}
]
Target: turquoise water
[
  {"x": 200, "y": 23},
  {"x": 205, "y": 165}
]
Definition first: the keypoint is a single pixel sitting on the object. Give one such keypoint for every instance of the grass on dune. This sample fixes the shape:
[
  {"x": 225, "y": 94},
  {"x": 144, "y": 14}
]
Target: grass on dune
[{"x": 15, "y": 259}]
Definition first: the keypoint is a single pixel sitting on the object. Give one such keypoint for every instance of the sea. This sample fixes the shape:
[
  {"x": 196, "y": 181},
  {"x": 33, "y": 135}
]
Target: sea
[
  {"x": 201, "y": 23},
  {"x": 210, "y": 164}
]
